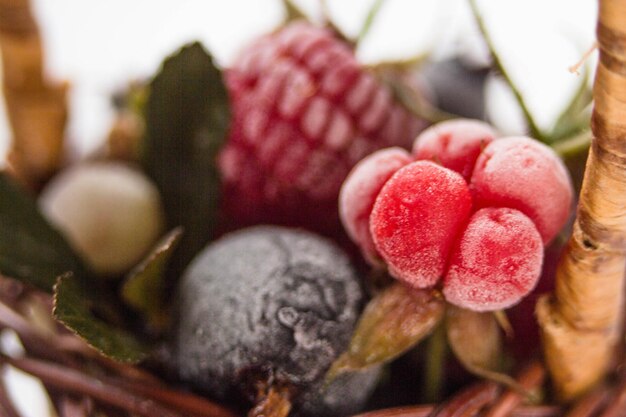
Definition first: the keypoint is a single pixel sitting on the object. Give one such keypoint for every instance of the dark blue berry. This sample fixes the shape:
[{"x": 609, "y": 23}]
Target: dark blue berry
[{"x": 270, "y": 301}]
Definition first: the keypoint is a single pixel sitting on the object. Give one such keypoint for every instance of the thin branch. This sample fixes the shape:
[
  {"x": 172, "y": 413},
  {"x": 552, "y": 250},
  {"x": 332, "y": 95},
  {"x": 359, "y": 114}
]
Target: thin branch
[
  {"x": 591, "y": 404},
  {"x": 412, "y": 411},
  {"x": 575, "y": 69},
  {"x": 184, "y": 402},
  {"x": 427, "y": 410},
  {"x": 73, "y": 381},
  {"x": 7, "y": 409},
  {"x": 470, "y": 401},
  {"x": 73, "y": 408},
  {"x": 530, "y": 380}
]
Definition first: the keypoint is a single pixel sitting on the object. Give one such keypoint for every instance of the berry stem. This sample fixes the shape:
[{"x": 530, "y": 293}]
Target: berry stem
[
  {"x": 292, "y": 11},
  {"x": 574, "y": 145},
  {"x": 581, "y": 321},
  {"x": 369, "y": 20},
  {"x": 436, "y": 354},
  {"x": 272, "y": 401}
]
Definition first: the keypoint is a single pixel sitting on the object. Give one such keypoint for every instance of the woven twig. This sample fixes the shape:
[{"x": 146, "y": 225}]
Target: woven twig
[
  {"x": 36, "y": 108},
  {"x": 582, "y": 322},
  {"x": 87, "y": 381}
]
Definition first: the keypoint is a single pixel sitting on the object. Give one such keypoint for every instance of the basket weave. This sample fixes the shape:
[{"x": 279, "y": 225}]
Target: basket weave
[{"x": 80, "y": 381}]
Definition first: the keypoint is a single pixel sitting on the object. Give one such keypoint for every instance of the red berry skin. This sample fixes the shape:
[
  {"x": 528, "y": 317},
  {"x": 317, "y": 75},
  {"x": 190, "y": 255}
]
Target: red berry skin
[
  {"x": 416, "y": 218},
  {"x": 303, "y": 114},
  {"x": 497, "y": 261},
  {"x": 359, "y": 191},
  {"x": 455, "y": 144},
  {"x": 521, "y": 173}
]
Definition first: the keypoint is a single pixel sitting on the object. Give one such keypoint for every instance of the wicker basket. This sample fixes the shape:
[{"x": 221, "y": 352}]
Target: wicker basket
[{"x": 79, "y": 381}]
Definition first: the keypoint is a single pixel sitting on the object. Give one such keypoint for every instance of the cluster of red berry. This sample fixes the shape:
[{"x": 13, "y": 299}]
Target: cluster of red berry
[{"x": 463, "y": 206}]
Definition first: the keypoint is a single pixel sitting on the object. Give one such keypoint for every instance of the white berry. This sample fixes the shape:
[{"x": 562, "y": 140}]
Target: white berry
[{"x": 110, "y": 214}]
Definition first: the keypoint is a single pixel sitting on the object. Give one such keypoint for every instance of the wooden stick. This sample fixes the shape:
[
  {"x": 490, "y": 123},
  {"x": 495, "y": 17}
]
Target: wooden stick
[
  {"x": 37, "y": 109},
  {"x": 581, "y": 322}
]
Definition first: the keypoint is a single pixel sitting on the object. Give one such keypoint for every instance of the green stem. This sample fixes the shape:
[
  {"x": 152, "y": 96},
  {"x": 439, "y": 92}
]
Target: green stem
[
  {"x": 532, "y": 125},
  {"x": 292, "y": 11},
  {"x": 574, "y": 145},
  {"x": 434, "y": 375},
  {"x": 369, "y": 20}
]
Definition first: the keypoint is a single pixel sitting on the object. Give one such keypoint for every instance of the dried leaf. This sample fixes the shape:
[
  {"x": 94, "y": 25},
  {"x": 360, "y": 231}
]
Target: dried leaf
[
  {"x": 393, "y": 322},
  {"x": 144, "y": 287},
  {"x": 30, "y": 249},
  {"x": 187, "y": 116},
  {"x": 476, "y": 341},
  {"x": 73, "y": 307},
  {"x": 475, "y": 338}
]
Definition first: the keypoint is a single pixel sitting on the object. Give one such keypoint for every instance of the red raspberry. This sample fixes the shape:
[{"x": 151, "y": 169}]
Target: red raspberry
[
  {"x": 496, "y": 262},
  {"x": 359, "y": 192},
  {"x": 521, "y": 173},
  {"x": 304, "y": 113},
  {"x": 416, "y": 218},
  {"x": 455, "y": 144}
]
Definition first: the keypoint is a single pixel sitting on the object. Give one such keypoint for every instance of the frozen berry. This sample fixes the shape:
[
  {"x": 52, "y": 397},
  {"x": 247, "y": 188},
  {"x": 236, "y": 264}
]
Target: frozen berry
[
  {"x": 360, "y": 190},
  {"x": 455, "y": 144},
  {"x": 270, "y": 300},
  {"x": 110, "y": 214},
  {"x": 521, "y": 173},
  {"x": 416, "y": 219},
  {"x": 304, "y": 113},
  {"x": 497, "y": 261}
]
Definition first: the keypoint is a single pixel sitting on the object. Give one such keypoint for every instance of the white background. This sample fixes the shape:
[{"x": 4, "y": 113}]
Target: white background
[{"x": 100, "y": 45}]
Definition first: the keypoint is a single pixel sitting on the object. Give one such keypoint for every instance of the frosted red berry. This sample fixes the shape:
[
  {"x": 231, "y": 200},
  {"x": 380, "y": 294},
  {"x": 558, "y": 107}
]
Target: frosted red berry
[
  {"x": 303, "y": 114},
  {"x": 521, "y": 173},
  {"x": 359, "y": 191},
  {"x": 496, "y": 262},
  {"x": 416, "y": 219},
  {"x": 455, "y": 144}
]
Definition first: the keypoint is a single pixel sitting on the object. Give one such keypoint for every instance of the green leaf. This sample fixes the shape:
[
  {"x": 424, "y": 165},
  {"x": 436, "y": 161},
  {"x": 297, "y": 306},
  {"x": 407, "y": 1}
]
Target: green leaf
[
  {"x": 73, "y": 307},
  {"x": 187, "y": 117},
  {"x": 534, "y": 66},
  {"x": 576, "y": 117},
  {"x": 393, "y": 322},
  {"x": 369, "y": 19},
  {"x": 30, "y": 249},
  {"x": 144, "y": 288}
]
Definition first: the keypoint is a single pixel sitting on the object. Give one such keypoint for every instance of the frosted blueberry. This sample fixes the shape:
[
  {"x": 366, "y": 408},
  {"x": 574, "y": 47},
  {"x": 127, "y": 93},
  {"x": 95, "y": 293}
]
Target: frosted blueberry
[{"x": 270, "y": 300}]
